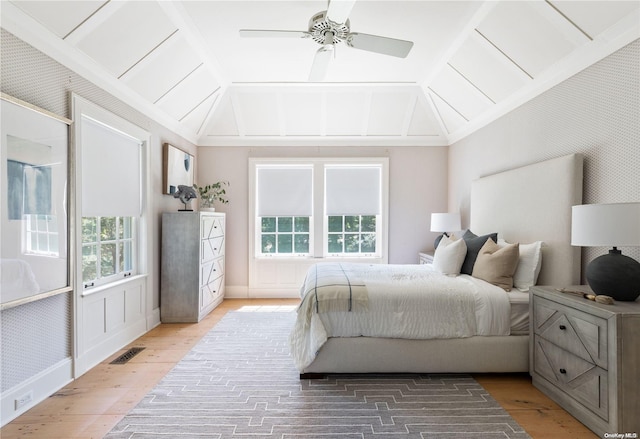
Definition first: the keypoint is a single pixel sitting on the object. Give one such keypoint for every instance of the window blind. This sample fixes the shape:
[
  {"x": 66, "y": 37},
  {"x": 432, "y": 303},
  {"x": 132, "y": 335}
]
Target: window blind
[
  {"x": 111, "y": 179},
  {"x": 285, "y": 191},
  {"x": 352, "y": 190}
]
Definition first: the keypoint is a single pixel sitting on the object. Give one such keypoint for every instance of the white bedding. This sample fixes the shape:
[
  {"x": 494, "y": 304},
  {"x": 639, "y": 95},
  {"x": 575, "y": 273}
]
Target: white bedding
[{"x": 406, "y": 301}]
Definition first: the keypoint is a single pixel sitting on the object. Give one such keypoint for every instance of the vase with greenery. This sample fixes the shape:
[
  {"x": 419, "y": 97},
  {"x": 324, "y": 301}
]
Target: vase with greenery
[{"x": 212, "y": 193}]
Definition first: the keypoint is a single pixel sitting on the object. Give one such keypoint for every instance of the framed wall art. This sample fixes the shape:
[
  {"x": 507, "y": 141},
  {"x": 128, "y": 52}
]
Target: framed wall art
[
  {"x": 177, "y": 169},
  {"x": 34, "y": 206}
]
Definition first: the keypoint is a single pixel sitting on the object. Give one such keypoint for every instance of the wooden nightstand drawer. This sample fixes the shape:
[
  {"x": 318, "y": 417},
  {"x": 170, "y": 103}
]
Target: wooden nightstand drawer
[
  {"x": 579, "y": 333},
  {"x": 582, "y": 380}
]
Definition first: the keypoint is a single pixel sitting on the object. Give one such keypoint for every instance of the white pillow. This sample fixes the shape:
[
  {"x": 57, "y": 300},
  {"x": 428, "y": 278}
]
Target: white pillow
[
  {"x": 529, "y": 264},
  {"x": 449, "y": 256}
]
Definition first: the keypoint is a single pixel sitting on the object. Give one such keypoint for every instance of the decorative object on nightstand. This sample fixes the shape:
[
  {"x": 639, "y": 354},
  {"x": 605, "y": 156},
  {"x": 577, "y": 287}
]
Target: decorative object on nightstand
[
  {"x": 611, "y": 225},
  {"x": 211, "y": 193},
  {"x": 585, "y": 356},
  {"x": 186, "y": 194},
  {"x": 444, "y": 223}
]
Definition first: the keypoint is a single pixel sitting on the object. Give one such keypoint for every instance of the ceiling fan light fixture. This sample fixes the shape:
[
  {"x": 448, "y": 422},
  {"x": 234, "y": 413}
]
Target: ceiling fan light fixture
[{"x": 319, "y": 25}]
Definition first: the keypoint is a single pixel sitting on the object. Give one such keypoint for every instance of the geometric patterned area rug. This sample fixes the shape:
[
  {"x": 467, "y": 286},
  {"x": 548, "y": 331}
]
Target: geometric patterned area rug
[{"x": 239, "y": 382}]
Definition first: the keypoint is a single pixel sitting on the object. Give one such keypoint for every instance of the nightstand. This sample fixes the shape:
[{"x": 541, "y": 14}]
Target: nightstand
[
  {"x": 586, "y": 357},
  {"x": 426, "y": 258}
]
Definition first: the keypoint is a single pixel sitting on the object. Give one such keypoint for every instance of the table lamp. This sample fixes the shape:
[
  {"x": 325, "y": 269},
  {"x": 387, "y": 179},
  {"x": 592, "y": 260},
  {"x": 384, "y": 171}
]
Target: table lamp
[
  {"x": 444, "y": 223},
  {"x": 611, "y": 225}
]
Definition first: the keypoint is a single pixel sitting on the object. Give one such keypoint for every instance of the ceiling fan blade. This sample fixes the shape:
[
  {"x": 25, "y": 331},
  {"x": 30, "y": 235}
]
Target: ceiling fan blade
[
  {"x": 321, "y": 63},
  {"x": 378, "y": 44},
  {"x": 339, "y": 10},
  {"x": 262, "y": 33}
]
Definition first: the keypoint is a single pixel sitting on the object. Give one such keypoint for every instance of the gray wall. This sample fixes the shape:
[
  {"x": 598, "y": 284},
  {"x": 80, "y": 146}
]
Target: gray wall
[
  {"x": 417, "y": 182},
  {"x": 30, "y": 75},
  {"x": 596, "y": 113}
]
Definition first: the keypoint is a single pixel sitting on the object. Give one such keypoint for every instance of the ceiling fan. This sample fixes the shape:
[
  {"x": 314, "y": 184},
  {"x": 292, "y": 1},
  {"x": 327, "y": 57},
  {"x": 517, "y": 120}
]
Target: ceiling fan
[{"x": 332, "y": 27}]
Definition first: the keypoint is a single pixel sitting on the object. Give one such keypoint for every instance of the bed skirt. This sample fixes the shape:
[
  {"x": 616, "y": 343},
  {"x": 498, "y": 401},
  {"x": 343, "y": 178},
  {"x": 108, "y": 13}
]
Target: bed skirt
[{"x": 390, "y": 355}]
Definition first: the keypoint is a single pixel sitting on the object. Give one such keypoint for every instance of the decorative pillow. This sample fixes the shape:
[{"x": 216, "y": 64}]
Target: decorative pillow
[
  {"x": 529, "y": 264},
  {"x": 496, "y": 265},
  {"x": 449, "y": 256},
  {"x": 474, "y": 244}
]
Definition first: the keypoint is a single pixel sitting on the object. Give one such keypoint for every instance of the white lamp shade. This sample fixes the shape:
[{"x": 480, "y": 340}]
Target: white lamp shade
[
  {"x": 605, "y": 225},
  {"x": 445, "y": 222}
]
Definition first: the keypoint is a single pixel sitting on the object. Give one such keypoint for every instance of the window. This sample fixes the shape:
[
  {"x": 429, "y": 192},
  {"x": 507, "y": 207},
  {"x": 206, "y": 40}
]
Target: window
[
  {"x": 338, "y": 203},
  {"x": 108, "y": 248},
  {"x": 111, "y": 173},
  {"x": 284, "y": 235},
  {"x": 284, "y": 209},
  {"x": 351, "y": 234},
  {"x": 41, "y": 235}
]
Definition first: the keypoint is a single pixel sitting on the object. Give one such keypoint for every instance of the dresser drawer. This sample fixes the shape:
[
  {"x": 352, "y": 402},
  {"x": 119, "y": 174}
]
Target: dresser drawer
[
  {"x": 582, "y": 380},
  {"x": 211, "y": 226},
  {"x": 211, "y": 292},
  {"x": 211, "y": 270},
  {"x": 579, "y": 333},
  {"x": 211, "y": 248}
]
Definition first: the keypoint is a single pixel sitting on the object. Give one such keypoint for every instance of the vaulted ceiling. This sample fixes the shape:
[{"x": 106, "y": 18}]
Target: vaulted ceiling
[{"x": 185, "y": 65}]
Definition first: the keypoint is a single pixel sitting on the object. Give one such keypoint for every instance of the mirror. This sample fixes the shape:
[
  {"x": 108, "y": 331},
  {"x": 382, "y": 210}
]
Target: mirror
[{"x": 178, "y": 169}]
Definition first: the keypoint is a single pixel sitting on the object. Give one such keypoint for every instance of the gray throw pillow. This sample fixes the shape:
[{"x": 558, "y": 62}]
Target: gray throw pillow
[{"x": 474, "y": 244}]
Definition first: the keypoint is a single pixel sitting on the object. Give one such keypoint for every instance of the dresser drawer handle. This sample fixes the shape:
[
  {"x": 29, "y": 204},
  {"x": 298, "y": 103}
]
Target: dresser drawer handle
[
  {"x": 562, "y": 327},
  {"x": 563, "y": 370}
]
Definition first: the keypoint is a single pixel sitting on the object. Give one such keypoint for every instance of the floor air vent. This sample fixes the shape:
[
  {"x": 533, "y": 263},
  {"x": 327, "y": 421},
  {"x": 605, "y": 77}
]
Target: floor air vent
[{"x": 127, "y": 356}]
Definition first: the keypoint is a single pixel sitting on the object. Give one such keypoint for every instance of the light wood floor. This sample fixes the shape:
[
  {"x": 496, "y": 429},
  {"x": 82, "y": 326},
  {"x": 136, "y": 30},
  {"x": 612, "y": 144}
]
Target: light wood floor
[{"x": 91, "y": 405}]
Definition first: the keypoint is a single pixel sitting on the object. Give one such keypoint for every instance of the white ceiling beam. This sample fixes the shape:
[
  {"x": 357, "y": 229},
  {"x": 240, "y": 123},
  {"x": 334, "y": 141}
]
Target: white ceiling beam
[
  {"x": 93, "y": 22},
  {"x": 467, "y": 30},
  {"x": 181, "y": 18}
]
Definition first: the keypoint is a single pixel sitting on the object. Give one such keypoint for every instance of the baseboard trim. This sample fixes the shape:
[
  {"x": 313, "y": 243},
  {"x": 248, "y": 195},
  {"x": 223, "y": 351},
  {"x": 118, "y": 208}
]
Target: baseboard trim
[
  {"x": 37, "y": 389},
  {"x": 244, "y": 292}
]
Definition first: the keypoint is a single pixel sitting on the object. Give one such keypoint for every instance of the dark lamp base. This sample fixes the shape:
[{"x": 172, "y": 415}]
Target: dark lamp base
[{"x": 615, "y": 275}]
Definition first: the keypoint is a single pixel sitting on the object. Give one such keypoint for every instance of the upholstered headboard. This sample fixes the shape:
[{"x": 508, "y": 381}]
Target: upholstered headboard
[{"x": 533, "y": 203}]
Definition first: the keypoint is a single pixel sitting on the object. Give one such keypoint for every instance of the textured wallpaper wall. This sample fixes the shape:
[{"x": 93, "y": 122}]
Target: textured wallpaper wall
[{"x": 596, "y": 112}]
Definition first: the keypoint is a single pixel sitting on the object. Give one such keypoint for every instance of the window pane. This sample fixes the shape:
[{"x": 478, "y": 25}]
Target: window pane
[
  {"x": 351, "y": 243},
  {"x": 124, "y": 231},
  {"x": 335, "y": 243},
  {"x": 368, "y": 223},
  {"x": 43, "y": 242},
  {"x": 268, "y": 224},
  {"x": 126, "y": 256},
  {"x": 351, "y": 223},
  {"x": 108, "y": 228},
  {"x": 107, "y": 259},
  {"x": 301, "y": 242},
  {"x": 285, "y": 244},
  {"x": 368, "y": 244},
  {"x": 53, "y": 242},
  {"x": 285, "y": 224},
  {"x": 335, "y": 224},
  {"x": 89, "y": 232},
  {"x": 268, "y": 243},
  {"x": 89, "y": 262},
  {"x": 301, "y": 224}
]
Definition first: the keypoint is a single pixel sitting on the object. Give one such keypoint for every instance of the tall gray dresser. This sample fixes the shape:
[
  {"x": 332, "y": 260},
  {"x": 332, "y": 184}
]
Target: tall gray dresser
[{"x": 192, "y": 267}]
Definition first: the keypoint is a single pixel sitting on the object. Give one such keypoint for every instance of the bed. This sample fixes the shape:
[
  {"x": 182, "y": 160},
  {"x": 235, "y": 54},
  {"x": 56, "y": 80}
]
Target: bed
[{"x": 524, "y": 205}]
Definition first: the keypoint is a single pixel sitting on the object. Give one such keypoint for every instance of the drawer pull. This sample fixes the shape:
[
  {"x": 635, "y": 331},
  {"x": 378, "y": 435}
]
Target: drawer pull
[
  {"x": 563, "y": 370},
  {"x": 562, "y": 327}
]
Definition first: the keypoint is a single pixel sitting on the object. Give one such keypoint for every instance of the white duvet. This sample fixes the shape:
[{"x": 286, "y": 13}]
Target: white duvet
[{"x": 405, "y": 301}]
